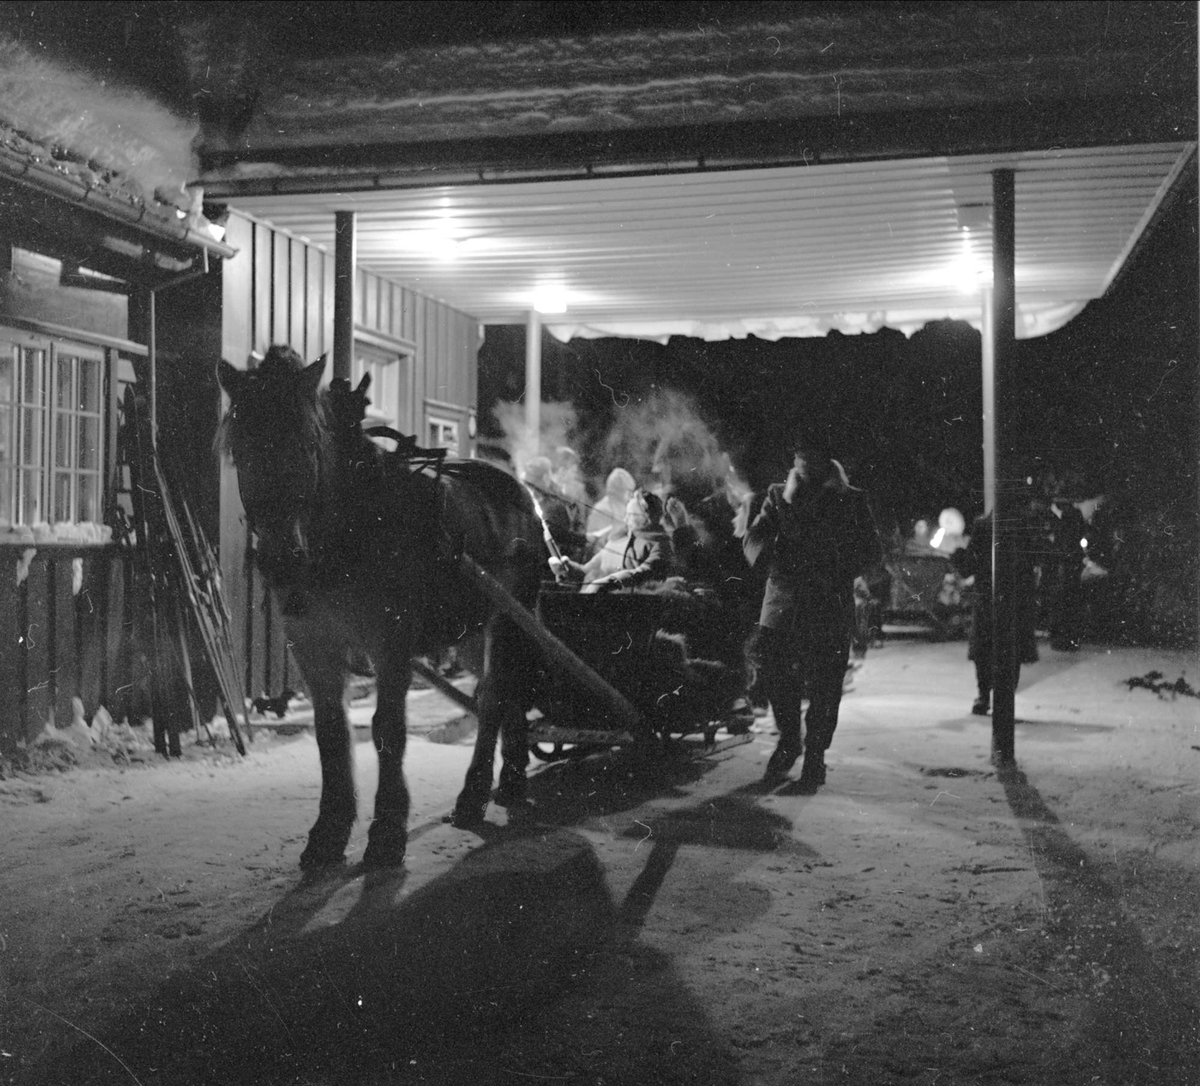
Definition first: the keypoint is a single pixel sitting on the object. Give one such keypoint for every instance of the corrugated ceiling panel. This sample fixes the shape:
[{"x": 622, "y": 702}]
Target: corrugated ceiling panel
[{"x": 808, "y": 247}]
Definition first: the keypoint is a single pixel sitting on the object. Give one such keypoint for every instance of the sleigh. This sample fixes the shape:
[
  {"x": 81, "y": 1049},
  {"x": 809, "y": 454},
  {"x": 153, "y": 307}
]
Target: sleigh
[
  {"x": 673, "y": 657},
  {"x": 925, "y": 590}
]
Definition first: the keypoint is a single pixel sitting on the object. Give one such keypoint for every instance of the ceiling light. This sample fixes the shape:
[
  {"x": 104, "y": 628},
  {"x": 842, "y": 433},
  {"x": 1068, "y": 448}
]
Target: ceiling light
[
  {"x": 968, "y": 272},
  {"x": 550, "y": 299}
]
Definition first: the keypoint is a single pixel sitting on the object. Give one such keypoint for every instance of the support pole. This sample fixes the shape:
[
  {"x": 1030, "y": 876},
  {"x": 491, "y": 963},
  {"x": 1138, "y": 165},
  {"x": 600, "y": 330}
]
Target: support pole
[
  {"x": 989, "y": 403},
  {"x": 345, "y": 275},
  {"x": 533, "y": 380},
  {"x": 1007, "y": 495}
]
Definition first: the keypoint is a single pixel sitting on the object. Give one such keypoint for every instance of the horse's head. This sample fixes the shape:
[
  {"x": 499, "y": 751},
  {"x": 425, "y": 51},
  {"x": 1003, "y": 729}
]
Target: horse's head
[{"x": 277, "y": 434}]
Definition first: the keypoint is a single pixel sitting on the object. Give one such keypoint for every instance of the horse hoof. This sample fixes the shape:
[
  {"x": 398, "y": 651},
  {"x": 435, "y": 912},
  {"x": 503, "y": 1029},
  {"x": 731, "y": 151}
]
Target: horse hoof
[
  {"x": 520, "y": 812},
  {"x": 378, "y": 858},
  {"x": 506, "y": 797},
  {"x": 468, "y": 816},
  {"x": 313, "y": 858}
]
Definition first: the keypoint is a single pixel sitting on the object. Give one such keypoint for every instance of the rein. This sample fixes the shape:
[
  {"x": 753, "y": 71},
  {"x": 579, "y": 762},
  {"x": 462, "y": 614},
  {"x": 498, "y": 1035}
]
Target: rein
[{"x": 408, "y": 451}]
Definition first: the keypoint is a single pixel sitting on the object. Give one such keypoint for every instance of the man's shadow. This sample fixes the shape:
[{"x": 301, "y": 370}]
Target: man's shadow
[{"x": 1142, "y": 1026}]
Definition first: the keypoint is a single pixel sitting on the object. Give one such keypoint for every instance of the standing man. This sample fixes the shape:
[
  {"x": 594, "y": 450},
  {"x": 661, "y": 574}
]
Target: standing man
[
  {"x": 975, "y": 561},
  {"x": 1063, "y": 574},
  {"x": 816, "y": 534}
]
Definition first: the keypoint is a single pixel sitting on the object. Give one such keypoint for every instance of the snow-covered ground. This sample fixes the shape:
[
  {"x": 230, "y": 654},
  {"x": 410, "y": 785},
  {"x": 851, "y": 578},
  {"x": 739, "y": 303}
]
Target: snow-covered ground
[{"x": 919, "y": 920}]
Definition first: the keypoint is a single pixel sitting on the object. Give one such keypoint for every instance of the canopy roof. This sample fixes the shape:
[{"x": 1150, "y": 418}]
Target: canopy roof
[{"x": 778, "y": 251}]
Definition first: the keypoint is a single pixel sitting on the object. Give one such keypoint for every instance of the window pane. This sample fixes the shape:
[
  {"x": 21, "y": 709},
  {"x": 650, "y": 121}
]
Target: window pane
[
  {"x": 62, "y": 496},
  {"x": 88, "y": 495},
  {"x": 31, "y": 435},
  {"x": 8, "y": 434},
  {"x": 8, "y": 374},
  {"x": 7, "y": 482},
  {"x": 31, "y": 386},
  {"x": 89, "y": 385},
  {"x": 62, "y": 439},
  {"x": 31, "y": 495},
  {"x": 89, "y": 442},
  {"x": 64, "y": 383}
]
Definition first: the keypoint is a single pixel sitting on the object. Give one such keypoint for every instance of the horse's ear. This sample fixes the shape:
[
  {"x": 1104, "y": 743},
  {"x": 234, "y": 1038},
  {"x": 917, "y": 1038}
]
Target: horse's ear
[
  {"x": 364, "y": 384},
  {"x": 312, "y": 375},
  {"x": 231, "y": 379}
]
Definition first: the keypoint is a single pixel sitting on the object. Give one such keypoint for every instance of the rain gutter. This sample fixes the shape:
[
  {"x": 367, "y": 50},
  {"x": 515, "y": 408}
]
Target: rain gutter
[{"x": 24, "y": 171}]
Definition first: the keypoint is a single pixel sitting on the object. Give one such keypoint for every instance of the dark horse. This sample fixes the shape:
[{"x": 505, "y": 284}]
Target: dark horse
[{"x": 364, "y": 548}]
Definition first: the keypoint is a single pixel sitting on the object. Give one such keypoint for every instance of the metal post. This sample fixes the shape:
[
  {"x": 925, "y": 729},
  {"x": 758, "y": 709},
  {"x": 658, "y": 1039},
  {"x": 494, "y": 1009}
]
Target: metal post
[
  {"x": 989, "y": 403},
  {"x": 1004, "y": 507},
  {"x": 533, "y": 380},
  {"x": 345, "y": 276}
]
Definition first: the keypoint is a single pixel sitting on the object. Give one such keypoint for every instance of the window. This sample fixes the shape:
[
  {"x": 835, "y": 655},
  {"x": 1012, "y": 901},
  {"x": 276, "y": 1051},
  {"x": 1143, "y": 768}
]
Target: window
[
  {"x": 51, "y": 431},
  {"x": 443, "y": 434},
  {"x": 389, "y": 392}
]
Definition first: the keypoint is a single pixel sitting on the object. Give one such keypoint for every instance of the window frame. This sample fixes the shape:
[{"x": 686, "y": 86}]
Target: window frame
[
  {"x": 43, "y": 428},
  {"x": 391, "y": 363}
]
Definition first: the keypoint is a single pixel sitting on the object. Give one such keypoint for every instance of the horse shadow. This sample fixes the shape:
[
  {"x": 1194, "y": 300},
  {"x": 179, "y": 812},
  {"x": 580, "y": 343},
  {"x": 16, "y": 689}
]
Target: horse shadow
[{"x": 491, "y": 971}]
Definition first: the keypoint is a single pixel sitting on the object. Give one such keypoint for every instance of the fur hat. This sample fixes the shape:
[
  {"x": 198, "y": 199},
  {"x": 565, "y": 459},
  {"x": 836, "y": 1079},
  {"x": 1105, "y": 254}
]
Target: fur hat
[{"x": 650, "y": 503}]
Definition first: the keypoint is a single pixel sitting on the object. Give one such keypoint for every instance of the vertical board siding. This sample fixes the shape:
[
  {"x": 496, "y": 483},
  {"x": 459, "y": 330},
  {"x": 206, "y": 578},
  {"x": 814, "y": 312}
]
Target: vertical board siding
[
  {"x": 12, "y": 652},
  {"x": 327, "y": 295},
  {"x": 298, "y": 292},
  {"x": 54, "y": 642},
  {"x": 39, "y": 655},
  {"x": 370, "y": 300},
  {"x": 281, "y": 289},
  {"x": 64, "y": 638},
  {"x": 260, "y": 289},
  {"x": 314, "y": 328}
]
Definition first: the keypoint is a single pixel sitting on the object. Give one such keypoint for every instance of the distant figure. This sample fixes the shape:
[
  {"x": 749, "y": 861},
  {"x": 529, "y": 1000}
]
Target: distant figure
[
  {"x": 568, "y": 479},
  {"x": 751, "y": 583},
  {"x": 816, "y": 533},
  {"x": 975, "y": 561},
  {"x": 1062, "y": 574},
  {"x": 949, "y": 535},
  {"x": 918, "y": 543},
  {"x": 608, "y": 514},
  {"x": 556, "y": 511}
]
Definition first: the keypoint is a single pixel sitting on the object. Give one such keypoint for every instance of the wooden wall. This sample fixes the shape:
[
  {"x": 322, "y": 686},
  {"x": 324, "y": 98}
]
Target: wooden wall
[
  {"x": 60, "y": 627},
  {"x": 279, "y": 289},
  {"x": 445, "y": 344}
]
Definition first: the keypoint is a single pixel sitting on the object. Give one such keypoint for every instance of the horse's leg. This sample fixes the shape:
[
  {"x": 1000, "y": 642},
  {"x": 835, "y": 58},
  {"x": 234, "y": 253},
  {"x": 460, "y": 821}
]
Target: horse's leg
[
  {"x": 513, "y": 655},
  {"x": 322, "y": 667},
  {"x": 501, "y": 709},
  {"x": 472, "y": 801},
  {"x": 387, "y": 837}
]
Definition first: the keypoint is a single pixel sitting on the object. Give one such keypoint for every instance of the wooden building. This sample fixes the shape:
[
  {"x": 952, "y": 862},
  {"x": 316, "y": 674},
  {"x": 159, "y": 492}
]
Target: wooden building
[{"x": 99, "y": 296}]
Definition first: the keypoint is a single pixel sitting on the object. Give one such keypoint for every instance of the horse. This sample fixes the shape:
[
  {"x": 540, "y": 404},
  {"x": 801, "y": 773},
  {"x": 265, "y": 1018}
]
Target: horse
[{"x": 364, "y": 549}]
